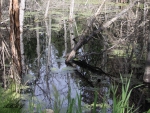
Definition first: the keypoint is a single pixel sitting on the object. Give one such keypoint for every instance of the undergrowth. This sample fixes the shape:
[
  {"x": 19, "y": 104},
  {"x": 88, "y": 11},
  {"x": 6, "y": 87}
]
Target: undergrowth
[{"x": 10, "y": 101}]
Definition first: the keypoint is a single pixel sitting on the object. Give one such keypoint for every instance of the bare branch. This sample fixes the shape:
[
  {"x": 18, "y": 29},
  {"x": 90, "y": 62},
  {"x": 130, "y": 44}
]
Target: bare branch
[{"x": 107, "y": 24}]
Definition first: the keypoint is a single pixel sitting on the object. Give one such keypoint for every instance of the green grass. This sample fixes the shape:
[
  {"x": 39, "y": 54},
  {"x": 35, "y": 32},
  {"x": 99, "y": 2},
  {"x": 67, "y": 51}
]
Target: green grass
[
  {"x": 34, "y": 106},
  {"x": 79, "y": 110},
  {"x": 121, "y": 102},
  {"x": 58, "y": 102},
  {"x": 10, "y": 110},
  {"x": 95, "y": 101},
  {"x": 10, "y": 101}
]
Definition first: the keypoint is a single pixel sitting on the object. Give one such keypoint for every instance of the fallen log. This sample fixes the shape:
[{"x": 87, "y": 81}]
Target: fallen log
[
  {"x": 84, "y": 79},
  {"x": 91, "y": 68},
  {"x": 83, "y": 40},
  {"x": 85, "y": 37}
]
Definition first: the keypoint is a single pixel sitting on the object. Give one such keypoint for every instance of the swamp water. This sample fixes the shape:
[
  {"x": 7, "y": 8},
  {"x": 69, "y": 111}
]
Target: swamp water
[{"x": 55, "y": 83}]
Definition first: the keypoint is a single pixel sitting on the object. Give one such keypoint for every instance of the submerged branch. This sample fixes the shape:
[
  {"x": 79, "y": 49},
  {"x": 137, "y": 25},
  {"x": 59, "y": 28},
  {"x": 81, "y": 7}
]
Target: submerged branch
[{"x": 91, "y": 68}]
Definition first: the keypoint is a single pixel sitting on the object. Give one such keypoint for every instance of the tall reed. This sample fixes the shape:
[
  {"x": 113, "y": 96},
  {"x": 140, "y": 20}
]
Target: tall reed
[{"x": 121, "y": 102}]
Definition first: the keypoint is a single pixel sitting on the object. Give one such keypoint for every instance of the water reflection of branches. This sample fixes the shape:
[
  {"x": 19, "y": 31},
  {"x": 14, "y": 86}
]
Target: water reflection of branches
[{"x": 46, "y": 95}]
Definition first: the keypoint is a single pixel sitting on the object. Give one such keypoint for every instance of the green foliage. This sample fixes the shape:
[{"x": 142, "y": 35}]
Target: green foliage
[
  {"x": 70, "y": 106},
  {"x": 119, "y": 52},
  {"x": 148, "y": 111},
  {"x": 29, "y": 14},
  {"x": 57, "y": 12},
  {"x": 10, "y": 110},
  {"x": 79, "y": 110},
  {"x": 10, "y": 101},
  {"x": 35, "y": 106},
  {"x": 95, "y": 102},
  {"x": 86, "y": 13},
  {"x": 74, "y": 104},
  {"x": 121, "y": 102},
  {"x": 57, "y": 100}
]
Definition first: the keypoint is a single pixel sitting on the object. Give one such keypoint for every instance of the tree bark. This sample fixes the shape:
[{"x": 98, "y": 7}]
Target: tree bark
[
  {"x": 99, "y": 9},
  {"x": 146, "y": 76},
  {"x": 1, "y": 3},
  {"x": 0, "y": 11},
  {"x": 48, "y": 30},
  {"x": 21, "y": 18},
  {"x": 15, "y": 35},
  {"x": 47, "y": 8},
  {"x": 65, "y": 28},
  {"x": 71, "y": 24},
  {"x": 0, "y": 18},
  {"x": 38, "y": 44}
]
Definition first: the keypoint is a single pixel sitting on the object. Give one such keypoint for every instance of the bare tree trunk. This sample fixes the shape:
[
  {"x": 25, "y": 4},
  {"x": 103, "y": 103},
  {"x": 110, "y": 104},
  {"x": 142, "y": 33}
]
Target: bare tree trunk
[
  {"x": 46, "y": 11},
  {"x": 146, "y": 10},
  {"x": 99, "y": 9},
  {"x": 4, "y": 67},
  {"x": 38, "y": 44},
  {"x": 21, "y": 17},
  {"x": 49, "y": 37},
  {"x": 48, "y": 30},
  {"x": 65, "y": 29},
  {"x": 38, "y": 49},
  {"x": 65, "y": 36},
  {"x": 0, "y": 11},
  {"x": 71, "y": 11},
  {"x": 15, "y": 35},
  {"x": 1, "y": 49},
  {"x": 0, "y": 18},
  {"x": 71, "y": 20},
  {"x": 1, "y": 3},
  {"x": 146, "y": 76},
  {"x": 72, "y": 35}
]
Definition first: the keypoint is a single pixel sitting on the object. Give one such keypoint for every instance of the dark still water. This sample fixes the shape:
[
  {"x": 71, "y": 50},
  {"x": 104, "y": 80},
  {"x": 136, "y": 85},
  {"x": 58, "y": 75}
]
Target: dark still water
[{"x": 52, "y": 83}]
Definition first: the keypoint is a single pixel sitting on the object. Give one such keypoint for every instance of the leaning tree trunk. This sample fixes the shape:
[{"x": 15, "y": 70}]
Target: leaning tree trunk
[
  {"x": 85, "y": 37},
  {"x": 15, "y": 35}
]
